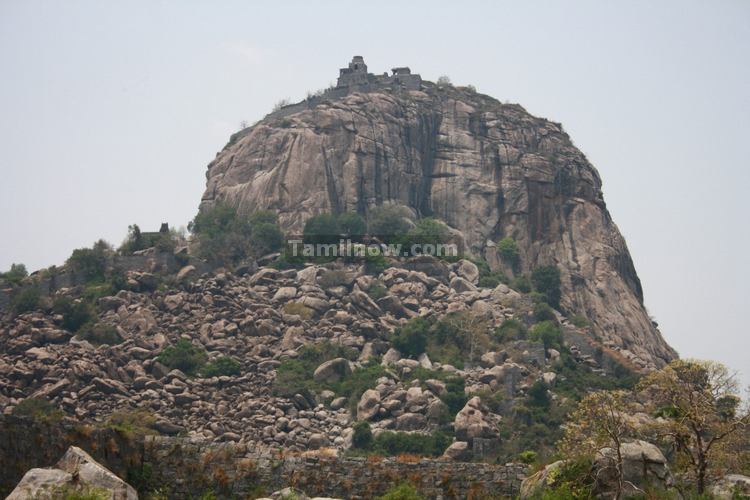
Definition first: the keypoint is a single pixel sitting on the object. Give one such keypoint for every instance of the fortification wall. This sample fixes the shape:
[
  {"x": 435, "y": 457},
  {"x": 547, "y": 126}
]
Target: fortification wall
[
  {"x": 234, "y": 470},
  {"x": 187, "y": 468}
]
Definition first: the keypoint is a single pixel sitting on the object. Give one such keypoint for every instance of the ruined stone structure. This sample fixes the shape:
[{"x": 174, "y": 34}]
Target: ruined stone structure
[{"x": 355, "y": 78}]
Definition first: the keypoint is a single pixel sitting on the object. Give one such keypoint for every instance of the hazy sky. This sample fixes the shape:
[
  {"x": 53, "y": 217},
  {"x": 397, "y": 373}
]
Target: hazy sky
[{"x": 110, "y": 112}]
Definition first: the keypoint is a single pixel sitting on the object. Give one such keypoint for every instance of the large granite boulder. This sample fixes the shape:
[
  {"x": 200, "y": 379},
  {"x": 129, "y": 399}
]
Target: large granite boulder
[
  {"x": 76, "y": 470},
  {"x": 473, "y": 422},
  {"x": 643, "y": 465},
  {"x": 731, "y": 486},
  {"x": 534, "y": 485},
  {"x": 333, "y": 370}
]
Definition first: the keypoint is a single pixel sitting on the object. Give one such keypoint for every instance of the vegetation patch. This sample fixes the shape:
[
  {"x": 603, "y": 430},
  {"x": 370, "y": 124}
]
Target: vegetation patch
[
  {"x": 223, "y": 365},
  {"x": 184, "y": 356},
  {"x": 38, "y": 409},
  {"x": 26, "y": 300}
]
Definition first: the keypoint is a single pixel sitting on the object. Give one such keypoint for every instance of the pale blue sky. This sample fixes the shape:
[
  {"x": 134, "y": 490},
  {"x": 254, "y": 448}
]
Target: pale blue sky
[{"x": 110, "y": 112}]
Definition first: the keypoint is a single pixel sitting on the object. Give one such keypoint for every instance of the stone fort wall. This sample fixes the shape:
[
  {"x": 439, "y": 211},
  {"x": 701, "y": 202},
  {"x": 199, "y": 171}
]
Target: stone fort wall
[{"x": 187, "y": 468}]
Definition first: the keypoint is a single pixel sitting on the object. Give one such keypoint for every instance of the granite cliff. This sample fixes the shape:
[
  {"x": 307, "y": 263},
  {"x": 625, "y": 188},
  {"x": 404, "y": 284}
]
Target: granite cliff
[{"x": 487, "y": 169}]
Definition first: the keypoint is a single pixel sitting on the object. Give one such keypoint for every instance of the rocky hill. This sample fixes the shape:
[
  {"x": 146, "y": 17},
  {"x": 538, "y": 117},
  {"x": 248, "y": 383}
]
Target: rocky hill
[
  {"x": 224, "y": 344},
  {"x": 269, "y": 319},
  {"x": 488, "y": 169}
]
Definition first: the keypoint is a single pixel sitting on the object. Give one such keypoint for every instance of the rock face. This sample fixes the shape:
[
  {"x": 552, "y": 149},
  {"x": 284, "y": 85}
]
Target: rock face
[
  {"x": 75, "y": 470},
  {"x": 731, "y": 486},
  {"x": 488, "y": 169},
  {"x": 643, "y": 464}
]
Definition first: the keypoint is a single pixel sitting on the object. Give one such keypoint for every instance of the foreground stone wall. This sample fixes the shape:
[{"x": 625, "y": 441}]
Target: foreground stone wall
[
  {"x": 186, "y": 468},
  {"x": 234, "y": 470}
]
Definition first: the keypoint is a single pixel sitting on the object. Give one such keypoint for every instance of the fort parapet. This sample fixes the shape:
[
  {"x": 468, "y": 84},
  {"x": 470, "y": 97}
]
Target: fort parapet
[{"x": 355, "y": 78}]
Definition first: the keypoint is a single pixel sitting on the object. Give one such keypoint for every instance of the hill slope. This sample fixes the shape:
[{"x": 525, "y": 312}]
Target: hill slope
[{"x": 488, "y": 169}]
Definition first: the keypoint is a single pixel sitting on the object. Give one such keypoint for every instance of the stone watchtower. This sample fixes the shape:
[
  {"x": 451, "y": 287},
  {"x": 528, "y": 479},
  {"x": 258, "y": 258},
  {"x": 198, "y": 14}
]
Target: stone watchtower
[{"x": 355, "y": 74}]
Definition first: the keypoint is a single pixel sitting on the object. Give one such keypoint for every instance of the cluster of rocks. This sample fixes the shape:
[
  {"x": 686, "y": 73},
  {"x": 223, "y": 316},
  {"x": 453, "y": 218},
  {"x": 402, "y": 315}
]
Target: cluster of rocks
[{"x": 262, "y": 319}]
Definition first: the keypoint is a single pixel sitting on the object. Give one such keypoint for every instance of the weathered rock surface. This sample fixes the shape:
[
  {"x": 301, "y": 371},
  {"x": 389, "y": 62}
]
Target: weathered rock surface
[
  {"x": 643, "y": 464},
  {"x": 731, "y": 486},
  {"x": 535, "y": 484},
  {"x": 74, "y": 470},
  {"x": 487, "y": 169}
]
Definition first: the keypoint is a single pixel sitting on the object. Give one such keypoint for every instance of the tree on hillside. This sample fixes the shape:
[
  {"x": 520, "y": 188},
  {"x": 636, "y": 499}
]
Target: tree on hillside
[
  {"x": 226, "y": 237},
  {"x": 15, "y": 274},
  {"x": 599, "y": 421},
  {"x": 546, "y": 281},
  {"x": 703, "y": 417},
  {"x": 91, "y": 263}
]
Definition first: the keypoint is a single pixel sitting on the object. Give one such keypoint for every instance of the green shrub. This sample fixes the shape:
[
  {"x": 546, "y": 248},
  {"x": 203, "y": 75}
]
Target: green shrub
[
  {"x": 573, "y": 481},
  {"x": 377, "y": 290},
  {"x": 375, "y": 264},
  {"x": 91, "y": 263},
  {"x": 494, "y": 400},
  {"x": 455, "y": 397},
  {"x": 262, "y": 217},
  {"x": 38, "y": 409},
  {"x": 493, "y": 279},
  {"x": 354, "y": 385},
  {"x": 184, "y": 356},
  {"x": 539, "y": 395},
  {"x": 458, "y": 338},
  {"x": 266, "y": 238},
  {"x": 99, "y": 334},
  {"x": 295, "y": 376},
  {"x": 322, "y": 229},
  {"x": 510, "y": 329},
  {"x": 134, "y": 241},
  {"x": 223, "y": 365},
  {"x": 576, "y": 380},
  {"x": 131, "y": 423},
  {"x": 74, "y": 492},
  {"x": 428, "y": 231},
  {"x": 75, "y": 313},
  {"x": 15, "y": 274},
  {"x": 527, "y": 457},
  {"x": 395, "y": 443},
  {"x": 580, "y": 321},
  {"x": 225, "y": 237},
  {"x": 26, "y": 300},
  {"x": 352, "y": 226},
  {"x": 543, "y": 312},
  {"x": 403, "y": 491},
  {"x": 547, "y": 333},
  {"x": 411, "y": 339},
  {"x": 521, "y": 283},
  {"x": 546, "y": 280},
  {"x": 222, "y": 236},
  {"x": 389, "y": 222},
  {"x": 362, "y": 437},
  {"x": 509, "y": 253}
]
